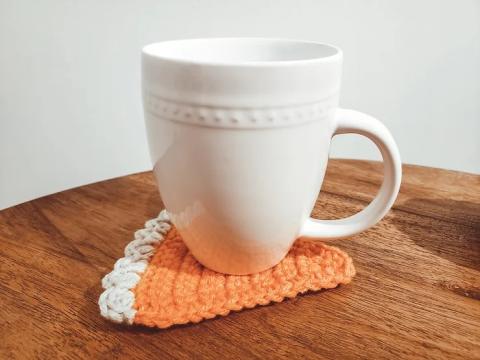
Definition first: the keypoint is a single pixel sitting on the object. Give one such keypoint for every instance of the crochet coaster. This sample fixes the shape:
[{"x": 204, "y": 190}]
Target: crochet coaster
[{"x": 159, "y": 283}]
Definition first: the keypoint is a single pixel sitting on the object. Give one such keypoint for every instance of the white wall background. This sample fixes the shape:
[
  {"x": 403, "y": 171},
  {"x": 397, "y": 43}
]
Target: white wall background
[{"x": 70, "y": 110}]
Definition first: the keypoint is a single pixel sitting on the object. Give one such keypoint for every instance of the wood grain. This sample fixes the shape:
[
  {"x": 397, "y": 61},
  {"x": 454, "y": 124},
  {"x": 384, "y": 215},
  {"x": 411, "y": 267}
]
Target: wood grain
[{"x": 416, "y": 294}]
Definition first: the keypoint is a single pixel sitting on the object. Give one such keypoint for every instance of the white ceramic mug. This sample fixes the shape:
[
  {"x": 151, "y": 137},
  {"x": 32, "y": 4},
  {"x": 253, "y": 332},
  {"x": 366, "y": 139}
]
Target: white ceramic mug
[{"x": 239, "y": 132}]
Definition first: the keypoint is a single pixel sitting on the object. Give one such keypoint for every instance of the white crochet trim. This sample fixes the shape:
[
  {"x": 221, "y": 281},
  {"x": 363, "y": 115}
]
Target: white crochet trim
[{"x": 116, "y": 302}]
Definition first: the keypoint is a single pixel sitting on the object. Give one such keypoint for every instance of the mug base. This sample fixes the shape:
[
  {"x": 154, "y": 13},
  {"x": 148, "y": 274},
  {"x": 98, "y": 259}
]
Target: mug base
[{"x": 233, "y": 268}]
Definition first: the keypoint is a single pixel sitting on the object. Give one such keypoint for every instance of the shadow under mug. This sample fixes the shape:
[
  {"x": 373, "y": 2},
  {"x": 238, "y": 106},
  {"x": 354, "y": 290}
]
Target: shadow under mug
[{"x": 239, "y": 131}]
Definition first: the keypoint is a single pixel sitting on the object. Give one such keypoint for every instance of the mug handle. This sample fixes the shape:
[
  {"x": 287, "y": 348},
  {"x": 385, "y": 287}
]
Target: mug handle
[{"x": 350, "y": 121}]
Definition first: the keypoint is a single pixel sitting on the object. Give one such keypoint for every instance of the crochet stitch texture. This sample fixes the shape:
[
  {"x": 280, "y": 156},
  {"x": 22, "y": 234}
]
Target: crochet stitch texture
[{"x": 159, "y": 283}]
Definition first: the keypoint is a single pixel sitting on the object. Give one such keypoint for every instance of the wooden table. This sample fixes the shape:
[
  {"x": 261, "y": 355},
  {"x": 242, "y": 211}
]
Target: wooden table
[{"x": 416, "y": 293}]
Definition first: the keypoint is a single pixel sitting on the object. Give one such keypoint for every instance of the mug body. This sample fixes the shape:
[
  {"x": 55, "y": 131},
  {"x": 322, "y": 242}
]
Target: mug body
[{"x": 239, "y": 133}]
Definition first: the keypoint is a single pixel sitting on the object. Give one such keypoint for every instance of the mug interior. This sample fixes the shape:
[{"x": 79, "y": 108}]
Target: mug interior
[{"x": 241, "y": 51}]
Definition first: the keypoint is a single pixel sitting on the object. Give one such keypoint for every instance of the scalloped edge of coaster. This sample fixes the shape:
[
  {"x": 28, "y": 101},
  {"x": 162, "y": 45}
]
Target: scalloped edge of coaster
[{"x": 117, "y": 302}]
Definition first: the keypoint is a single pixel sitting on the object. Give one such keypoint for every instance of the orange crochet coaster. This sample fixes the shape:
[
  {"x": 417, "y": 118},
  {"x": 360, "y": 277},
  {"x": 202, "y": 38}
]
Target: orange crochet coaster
[{"x": 159, "y": 283}]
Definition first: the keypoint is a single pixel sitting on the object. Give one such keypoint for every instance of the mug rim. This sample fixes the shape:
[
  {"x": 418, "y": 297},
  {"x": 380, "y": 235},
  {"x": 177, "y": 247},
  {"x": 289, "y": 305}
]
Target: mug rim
[{"x": 315, "y": 52}]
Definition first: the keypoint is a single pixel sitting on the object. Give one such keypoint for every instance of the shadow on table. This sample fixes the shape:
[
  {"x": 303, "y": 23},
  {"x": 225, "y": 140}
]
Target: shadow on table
[{"x": 447, "y": 228}]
